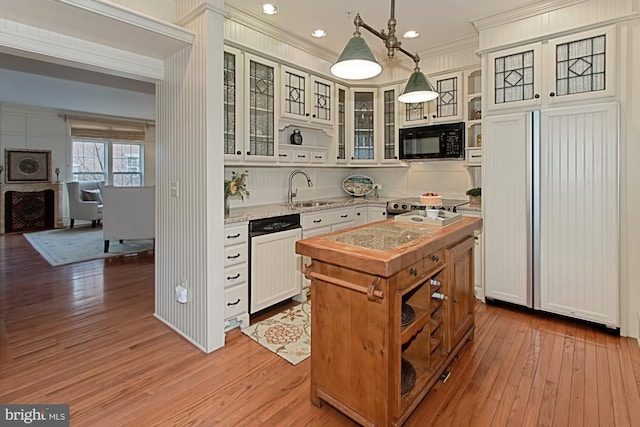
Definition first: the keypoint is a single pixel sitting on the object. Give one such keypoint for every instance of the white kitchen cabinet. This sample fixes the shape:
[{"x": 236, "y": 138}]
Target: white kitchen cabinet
[
  {"x": 389, "y": 124},
  {"x": 327, "y": 221},
  {"x": 261, "y": 109},
  {"x": 448, "y": 107},
  {"x": 275, "y": 268},
  {"x": 340, "y": 126},
  {"x": 577, "y": 67},
  {"x": 362, "y": 147},
  {"x": 376, "y": 213},
  {"x": 233, "y": 95},
  {"x": 236, "y": 275},
  {"x": 306, "y": 98}
]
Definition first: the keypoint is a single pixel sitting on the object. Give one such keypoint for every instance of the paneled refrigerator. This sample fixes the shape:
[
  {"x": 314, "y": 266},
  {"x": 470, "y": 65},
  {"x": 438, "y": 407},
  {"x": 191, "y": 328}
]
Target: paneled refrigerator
[{"x": 551, "y": 211}]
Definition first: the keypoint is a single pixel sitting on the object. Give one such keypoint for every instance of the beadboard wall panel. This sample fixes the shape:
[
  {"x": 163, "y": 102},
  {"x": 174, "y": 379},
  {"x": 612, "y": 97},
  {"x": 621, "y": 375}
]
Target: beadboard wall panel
[
  {"x": 541, "y": 22},
  {"x": 190, "y": 226}
]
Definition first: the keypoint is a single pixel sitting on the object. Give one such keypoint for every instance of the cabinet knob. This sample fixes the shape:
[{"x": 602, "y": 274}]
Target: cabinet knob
[
  {"x": 435, "y": 258},
  {"x": 238, "y": 152},
  {"x": 307, "y": 115},
  {"x": 314, "y": 116},
  {"x": 552, "y": 94},
  {"x": 413, "y": 272},
  {"x": 536, "y": 96},
  {"x": 434, "y": 116},
  {"x": 248, "y": 153},
  {"x": 358, "y": 214},
  {"x": 455, "y": 300}
]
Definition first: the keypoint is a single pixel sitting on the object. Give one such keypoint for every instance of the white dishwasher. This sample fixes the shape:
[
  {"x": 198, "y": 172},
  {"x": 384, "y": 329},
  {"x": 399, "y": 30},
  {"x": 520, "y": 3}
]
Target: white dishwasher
[{"x": 275, "y": 267}]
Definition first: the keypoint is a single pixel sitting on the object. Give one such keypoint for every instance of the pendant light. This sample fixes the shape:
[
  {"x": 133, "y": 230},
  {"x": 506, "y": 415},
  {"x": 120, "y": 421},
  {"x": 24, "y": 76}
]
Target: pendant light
[{"x": 356, "y": 62}]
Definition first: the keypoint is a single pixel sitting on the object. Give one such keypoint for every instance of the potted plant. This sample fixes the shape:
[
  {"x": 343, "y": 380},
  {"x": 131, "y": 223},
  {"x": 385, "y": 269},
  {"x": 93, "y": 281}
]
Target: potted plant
[{"x": 474, "y": 196}]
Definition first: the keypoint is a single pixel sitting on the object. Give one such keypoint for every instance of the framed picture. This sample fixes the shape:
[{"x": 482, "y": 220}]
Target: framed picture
[{"x": 27, "y": 165}]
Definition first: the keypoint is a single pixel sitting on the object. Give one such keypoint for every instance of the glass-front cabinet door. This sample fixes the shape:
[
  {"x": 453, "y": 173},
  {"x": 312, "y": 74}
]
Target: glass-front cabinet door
[
  {"x": 233, "y": 145},
  {"x": 389, "y": 149},
  {"x": 340, "y": 127},
  {"x": 261, "y": 108},
  {"x": 582, "y": 66},
  {"x": 514, "y": 79},
  {"x": 306, "y": 98},
  {"x": 447, "y": 107},
  {"x": 363, "y": 148}
]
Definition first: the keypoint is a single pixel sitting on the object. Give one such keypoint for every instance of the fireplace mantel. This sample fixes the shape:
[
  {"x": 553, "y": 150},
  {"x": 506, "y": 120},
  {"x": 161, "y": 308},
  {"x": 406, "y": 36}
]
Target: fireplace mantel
[{"x": 29, "y": 187}]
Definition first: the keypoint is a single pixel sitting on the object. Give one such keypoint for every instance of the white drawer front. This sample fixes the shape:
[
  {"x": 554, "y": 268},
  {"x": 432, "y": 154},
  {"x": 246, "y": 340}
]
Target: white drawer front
[
  {"x": 236, "y": 254},
  {"x": 328, "y": 217},
  {"x": 474, "y": 156},
  {"x": 285, "y": 155},
  {"x": 234, "y": 235},
  {"x": 317, "y": 157},
  {"x": 235, "y": 275},
  {"x": 301, "y": 156},
  {"x": 236, "y": 301}
]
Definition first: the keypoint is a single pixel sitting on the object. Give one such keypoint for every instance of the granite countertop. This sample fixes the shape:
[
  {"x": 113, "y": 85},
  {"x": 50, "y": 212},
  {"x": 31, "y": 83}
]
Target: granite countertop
[
  {"x": 383, "y": 248},
  {"x": 250, "y": 213}
]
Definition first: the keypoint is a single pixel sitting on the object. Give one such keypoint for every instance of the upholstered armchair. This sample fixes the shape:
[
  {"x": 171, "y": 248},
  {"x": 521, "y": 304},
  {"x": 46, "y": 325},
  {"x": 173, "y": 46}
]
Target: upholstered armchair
[
  {"x": 85, "y": 201},
  {"x": 129, "y": 214}
]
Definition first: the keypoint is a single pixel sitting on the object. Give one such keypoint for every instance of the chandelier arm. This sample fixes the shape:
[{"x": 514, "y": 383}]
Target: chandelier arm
[{"x": 359, "y": 22}]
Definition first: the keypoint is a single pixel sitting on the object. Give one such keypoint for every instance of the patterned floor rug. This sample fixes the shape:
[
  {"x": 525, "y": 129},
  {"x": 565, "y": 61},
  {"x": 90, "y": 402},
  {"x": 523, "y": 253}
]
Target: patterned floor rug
[
  {"x": 287, "y": 334},
  {"x": 69, "y": 245}
]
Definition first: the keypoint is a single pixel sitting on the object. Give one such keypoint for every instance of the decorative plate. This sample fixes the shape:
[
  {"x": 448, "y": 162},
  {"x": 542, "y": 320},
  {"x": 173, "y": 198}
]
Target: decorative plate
[{"x": 357, "y": 185}]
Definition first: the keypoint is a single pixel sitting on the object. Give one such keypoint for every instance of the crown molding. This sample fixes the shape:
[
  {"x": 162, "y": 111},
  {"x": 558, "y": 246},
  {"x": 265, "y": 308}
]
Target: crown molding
[
  {"x": 470, "y": 42},
  {"x": 523, "y": 12},
  {"x": 199, "y": 10},
  {"x": 257, "y": 24}
]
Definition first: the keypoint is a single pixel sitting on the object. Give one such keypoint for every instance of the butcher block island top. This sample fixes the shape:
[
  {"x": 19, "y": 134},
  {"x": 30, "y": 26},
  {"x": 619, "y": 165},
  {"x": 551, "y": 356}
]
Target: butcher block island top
[{"x": 392, "y": 306}]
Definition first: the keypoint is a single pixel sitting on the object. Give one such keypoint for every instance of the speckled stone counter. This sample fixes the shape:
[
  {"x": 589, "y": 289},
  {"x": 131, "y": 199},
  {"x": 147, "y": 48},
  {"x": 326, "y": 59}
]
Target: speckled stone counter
[
  {"x": 381, "y": 237},
  {"x": 276, "y": 209},
  {"x": 383, "y": 248}
]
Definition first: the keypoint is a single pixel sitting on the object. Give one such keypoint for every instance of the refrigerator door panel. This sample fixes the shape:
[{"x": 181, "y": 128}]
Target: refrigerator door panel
[
  {"x": 579, "y": 208},
  {"x": 506, "y": 201}
]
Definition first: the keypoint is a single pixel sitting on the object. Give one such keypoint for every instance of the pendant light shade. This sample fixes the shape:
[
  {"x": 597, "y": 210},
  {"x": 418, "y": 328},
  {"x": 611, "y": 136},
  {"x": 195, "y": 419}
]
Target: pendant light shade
[
  {"x": 418, "y": 89},
  {"x": 356, "y": 62}
]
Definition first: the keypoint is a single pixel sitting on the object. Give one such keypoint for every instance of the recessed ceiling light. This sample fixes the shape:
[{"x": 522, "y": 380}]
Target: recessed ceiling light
[
  {"x": 319, "y": 33},
  {"x": 411, "y": 34},
  {"x": 269, "y": 9}
]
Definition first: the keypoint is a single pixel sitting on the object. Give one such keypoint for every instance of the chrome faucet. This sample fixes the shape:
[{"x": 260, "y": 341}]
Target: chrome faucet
[{"x": 291, "y": 194}]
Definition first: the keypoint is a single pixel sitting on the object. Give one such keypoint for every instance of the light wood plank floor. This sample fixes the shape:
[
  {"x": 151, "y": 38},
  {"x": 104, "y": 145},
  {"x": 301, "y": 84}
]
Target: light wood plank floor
[{"x": 85, "y": 334}]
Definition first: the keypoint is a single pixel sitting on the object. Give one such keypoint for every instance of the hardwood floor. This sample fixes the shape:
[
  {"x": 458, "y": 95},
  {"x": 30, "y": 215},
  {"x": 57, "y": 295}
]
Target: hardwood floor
[{"x": 85, "y": 335}]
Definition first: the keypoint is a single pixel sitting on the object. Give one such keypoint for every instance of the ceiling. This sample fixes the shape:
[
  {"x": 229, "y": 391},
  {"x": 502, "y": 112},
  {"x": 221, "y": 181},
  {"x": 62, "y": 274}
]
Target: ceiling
[{"x": 439, "y": 22}]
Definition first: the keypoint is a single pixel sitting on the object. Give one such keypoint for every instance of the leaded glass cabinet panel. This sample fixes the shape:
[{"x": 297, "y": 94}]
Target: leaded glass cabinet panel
[
  {"x": 305, "y": 97},
  {"x": 389, "y": 124},
  {"x": 583, "y": 66},
  {"x": 341, "y": 124},
  {"x": 446, "y": 108},
  {"x": 260, "y": 95},
  {"x": 232, "y": 117},
  {"x": 364, "y": 123},
  {"x": 515, "y": 77}
]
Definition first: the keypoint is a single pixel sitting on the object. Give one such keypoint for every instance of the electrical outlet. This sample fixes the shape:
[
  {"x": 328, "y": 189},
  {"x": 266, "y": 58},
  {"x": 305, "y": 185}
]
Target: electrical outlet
[{"x": 182, "y": 295}]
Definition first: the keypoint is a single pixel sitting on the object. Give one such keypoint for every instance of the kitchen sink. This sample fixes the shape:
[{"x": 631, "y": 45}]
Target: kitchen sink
[{"x": 311, "y": 203}]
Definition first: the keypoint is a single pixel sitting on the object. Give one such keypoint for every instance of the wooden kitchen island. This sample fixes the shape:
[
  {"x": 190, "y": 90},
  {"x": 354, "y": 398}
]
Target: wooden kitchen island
[{"x": 393, "y": 304}]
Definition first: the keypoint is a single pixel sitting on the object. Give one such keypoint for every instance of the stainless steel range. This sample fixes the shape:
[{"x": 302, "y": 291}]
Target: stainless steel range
[{"x": 400, "y": 206}]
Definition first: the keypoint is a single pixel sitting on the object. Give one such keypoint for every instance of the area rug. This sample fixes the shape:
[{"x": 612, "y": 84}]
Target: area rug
[
  {"x": 287, "y": 334},
  {"x": 70, "y": 245}
]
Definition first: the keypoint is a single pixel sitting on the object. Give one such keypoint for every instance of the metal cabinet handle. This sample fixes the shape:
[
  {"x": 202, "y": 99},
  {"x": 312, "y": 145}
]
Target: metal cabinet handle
[
  {"x": 302, "y": 156},
  {"x": 234, "y": 303},
  {"x": 234, "y": 236},
  {"x": 233, "y": 277},
  {"x": 344, "y": 216},
  {"x": 233, "y": 256},
  {"x": 317, "y": 221}
]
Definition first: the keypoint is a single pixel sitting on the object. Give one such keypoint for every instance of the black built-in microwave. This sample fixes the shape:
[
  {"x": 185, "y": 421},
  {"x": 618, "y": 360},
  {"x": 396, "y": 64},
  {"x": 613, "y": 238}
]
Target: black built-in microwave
[{"x": 443, "y": 141}]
